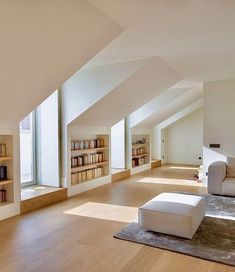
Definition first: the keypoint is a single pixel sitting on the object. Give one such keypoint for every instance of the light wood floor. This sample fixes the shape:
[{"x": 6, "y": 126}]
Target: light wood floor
[{"x": 76, "y": 234}]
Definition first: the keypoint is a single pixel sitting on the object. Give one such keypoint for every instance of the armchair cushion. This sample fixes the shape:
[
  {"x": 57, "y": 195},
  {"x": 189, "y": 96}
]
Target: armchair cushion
[
  {"x": 216, "y": 176},
  {"x": 230, "y": 167}
]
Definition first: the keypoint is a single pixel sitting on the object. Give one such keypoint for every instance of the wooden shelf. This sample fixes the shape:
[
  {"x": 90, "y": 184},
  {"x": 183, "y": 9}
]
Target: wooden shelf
[
  {"x": 5, "y": 182},
  {"x": 136, "y": 146},
  {"x": 5, "y": 158},
  {"x": 89, "y": 150},
  {"x": 140, "y": 156},
  {"x": 139, "y": 165},
  {"x": 89, "y": 180},
  {"x": 87, "y": 167}
]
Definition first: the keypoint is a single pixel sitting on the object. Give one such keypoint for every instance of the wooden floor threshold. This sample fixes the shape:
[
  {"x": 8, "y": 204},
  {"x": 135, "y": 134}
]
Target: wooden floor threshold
[
  {"x": 156, "y": 163},
  {"x": 121, "y": 175},
  {"x": 40, "y": 201}
]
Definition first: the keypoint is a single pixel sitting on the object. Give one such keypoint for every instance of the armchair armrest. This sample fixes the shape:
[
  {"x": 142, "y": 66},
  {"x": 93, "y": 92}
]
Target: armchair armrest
[{"x": 216, "y": 175}]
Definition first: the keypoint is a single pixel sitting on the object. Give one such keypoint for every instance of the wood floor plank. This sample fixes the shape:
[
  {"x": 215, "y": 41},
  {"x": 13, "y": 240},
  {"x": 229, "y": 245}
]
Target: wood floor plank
[{"x": 77, "y": 234}]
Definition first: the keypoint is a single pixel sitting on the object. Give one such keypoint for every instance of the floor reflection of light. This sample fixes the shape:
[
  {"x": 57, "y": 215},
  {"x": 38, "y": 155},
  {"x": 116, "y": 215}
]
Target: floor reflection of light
[
  {"x": 34, "y": 189},
  {"x": 221, "y": 217},
  {"x": 105, "y": 212},
  {"x": 184, "y": 167},
  {"x": 170, "y": 181}
]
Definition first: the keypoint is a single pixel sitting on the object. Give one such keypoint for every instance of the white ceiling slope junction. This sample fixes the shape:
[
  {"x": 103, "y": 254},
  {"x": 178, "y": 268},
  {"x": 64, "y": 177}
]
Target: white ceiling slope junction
[
  {"x": 43, "y": 43},
  {"x": 88, "y": 86},
  {"x": 155, "y": 105},
  {"x": 181, "y": 114},
  {"x": 150, "y": 80},
  {"x": 171, "y": 108},
  {"x": 196, "y": 38}
]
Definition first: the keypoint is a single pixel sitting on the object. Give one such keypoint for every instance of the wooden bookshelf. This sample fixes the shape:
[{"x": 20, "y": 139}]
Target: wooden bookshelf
[
  {"x": 87, "y": 167},
  {"x": 140, "y": 156},
  {"x": 136, "y": 146},
  {"x": 6, "y": 160},
  {"x": 6, "y": 182},
  {"x": 89, "y": 164},
  {"x": 89, "y": 150},
  {"x": 140, "y": 150},
  {"x": 87, "y": 180}
]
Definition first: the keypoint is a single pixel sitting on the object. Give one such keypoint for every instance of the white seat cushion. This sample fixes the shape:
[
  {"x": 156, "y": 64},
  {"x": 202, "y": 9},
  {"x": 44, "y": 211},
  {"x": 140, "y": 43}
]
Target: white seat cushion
[
  {"x": 228, "y": 187},
  {"x": 171, "y": 213}
]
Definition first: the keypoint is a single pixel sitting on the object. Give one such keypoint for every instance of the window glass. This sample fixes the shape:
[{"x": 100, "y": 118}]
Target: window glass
[{"x": 26, "y": 149}]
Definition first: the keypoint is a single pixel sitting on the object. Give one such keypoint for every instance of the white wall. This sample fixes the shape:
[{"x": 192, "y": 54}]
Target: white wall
[
  {"x": 155, "y": 105},
  {"x": 118, "y": 145},
  {"x": 153, "y": 78},
  {"x": 43, "y": 43},
  {"x": 184, "y": 140},
  {"x": 158, "y": 131},
  {"x": 89, "y": 85},
  {"x": 219, "y": 124},
  {"x": 84, "y": 89}
]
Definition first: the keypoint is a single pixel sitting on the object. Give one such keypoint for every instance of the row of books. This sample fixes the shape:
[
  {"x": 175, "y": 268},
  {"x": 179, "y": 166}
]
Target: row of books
[
  {"x": 86, "y": 159},
  {"x": 87, "y": 144},
  {"x": 3, "y": 150},
  {"x": 138, "y": 151},
  {"x": 139, "y": 161},
  {"x": 79, "y": 177},
  {"x": 3, "y": 195}
]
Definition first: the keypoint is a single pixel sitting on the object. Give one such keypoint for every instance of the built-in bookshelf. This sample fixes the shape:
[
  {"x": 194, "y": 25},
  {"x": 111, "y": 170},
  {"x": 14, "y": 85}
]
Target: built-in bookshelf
[
  {"x": 89, "y": 158},
  {"x": 140, "y": 150},
  {"x": 6, "y": 170}
]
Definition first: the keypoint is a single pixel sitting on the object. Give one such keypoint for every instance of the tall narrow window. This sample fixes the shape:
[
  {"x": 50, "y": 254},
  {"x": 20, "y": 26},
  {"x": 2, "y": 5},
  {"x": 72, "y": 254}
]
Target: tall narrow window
[
  {"x": 39, "y": 144},
  {"x": 118, "y": 145},
  {"x": 27, "y": 141}
]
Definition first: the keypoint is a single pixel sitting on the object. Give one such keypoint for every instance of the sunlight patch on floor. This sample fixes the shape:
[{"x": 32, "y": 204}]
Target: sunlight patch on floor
[
  {"x": 183, "y": 167},
  {"x": 105, "y": 212},
  {"x": 170, "y": 181}
]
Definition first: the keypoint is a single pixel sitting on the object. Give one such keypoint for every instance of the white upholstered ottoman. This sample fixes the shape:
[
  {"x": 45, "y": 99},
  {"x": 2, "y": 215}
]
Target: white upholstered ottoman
[{"x": 174, "y": 214}]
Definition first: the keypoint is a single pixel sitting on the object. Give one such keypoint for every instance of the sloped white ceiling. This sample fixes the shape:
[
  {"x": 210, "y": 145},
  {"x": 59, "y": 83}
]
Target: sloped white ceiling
[
  {"x": 196, "y": 38},
  {"x": 42, "y": 44},
  {"x": 88, "y": 86},
  {"x": 150, "y": 80},
  {"x": 181, "y": 114},
  {"x": 171, "y": 108},
  {"x": 156, "y": 105}
]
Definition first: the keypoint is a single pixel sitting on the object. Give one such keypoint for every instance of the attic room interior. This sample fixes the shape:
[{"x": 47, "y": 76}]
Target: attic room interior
[{"x": 117, "y": 136}]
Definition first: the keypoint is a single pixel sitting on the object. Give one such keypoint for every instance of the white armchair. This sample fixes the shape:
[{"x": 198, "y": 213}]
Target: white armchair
[{"x": 221, "y": 178}]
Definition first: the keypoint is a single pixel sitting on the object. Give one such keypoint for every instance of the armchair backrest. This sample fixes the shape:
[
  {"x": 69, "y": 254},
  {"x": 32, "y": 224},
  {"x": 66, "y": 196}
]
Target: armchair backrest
[{"x": 230, "y": 172}]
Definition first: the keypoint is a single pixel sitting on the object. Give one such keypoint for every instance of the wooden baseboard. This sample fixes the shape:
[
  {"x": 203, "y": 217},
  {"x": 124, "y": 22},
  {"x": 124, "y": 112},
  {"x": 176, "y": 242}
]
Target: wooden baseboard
[
  {"x": 156, "y": 163},
  {"x": 121, "y": 175},
  {"x": 43, "y": 200}
]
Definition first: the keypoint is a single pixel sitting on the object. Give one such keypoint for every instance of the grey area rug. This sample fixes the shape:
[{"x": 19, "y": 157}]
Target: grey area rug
[{"x": 213, "y": 241}]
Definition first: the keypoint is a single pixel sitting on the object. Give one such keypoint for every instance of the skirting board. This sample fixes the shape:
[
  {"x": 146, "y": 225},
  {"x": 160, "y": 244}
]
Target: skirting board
[
  {"x": 156, "y": 163},
  {"x": 43, "y": 200},
  {"x": 140, "y": 169},
  {"x": 89, "y": 185},
  {"x": 121, "y": 175}
]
